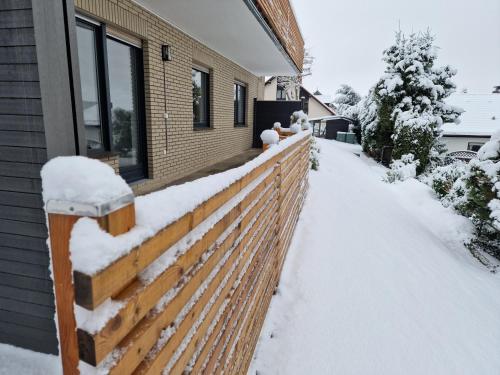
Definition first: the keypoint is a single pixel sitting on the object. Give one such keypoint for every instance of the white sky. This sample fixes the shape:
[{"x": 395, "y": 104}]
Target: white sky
[{"x": 347, "y": 38}]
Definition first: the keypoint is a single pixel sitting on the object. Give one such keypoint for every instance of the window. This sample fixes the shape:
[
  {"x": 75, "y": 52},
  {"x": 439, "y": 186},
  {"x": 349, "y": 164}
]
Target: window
[
  {"x": 240, "y": 101},
  {"x": 201, "y": 112},
  {"x": 111, "y": 76},
  {"x": 474, "y": 146},
  {"x": 280, "y": 93}
]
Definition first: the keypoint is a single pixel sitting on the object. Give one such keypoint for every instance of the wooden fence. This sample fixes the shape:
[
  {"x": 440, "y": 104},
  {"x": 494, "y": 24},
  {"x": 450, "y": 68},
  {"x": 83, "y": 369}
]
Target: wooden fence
[{"x": 219, "y": 289}]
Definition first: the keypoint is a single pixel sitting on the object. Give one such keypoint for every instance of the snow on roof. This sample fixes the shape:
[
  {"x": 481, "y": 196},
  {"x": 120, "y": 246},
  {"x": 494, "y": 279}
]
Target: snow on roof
[
  {"x": 315, "y": 97},
  {"x": 481, "y": 116},
  {"x": 326, "y": 118},
  {"x": 327, "y": 99}
]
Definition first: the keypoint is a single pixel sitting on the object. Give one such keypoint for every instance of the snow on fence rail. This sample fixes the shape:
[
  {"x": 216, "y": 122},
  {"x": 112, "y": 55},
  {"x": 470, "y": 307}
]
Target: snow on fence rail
[{"x": 178, "y": 280}]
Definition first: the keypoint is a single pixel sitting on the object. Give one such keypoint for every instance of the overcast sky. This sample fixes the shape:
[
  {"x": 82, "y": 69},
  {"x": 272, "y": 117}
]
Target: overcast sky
[{"x": 347, "y": 38}]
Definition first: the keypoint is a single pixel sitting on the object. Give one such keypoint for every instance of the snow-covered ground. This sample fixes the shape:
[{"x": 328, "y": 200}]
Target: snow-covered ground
[{"x": 377, "y": 281}]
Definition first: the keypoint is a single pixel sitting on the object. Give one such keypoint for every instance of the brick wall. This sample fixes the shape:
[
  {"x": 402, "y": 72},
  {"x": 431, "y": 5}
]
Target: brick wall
[{"x": 179, "y": 150}]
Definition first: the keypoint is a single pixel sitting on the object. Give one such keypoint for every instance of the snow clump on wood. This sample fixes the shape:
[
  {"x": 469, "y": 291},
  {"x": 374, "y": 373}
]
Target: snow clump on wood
[
  {"x": 270, "y": 137},
  {"x": 81, "y": 180}
]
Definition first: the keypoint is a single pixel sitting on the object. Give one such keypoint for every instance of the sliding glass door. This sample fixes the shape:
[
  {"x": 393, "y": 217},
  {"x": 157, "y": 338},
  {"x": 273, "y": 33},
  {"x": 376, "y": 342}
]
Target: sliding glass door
[
  {"x": 124, "y": 94},
  {"x": 111, "y": 75}
]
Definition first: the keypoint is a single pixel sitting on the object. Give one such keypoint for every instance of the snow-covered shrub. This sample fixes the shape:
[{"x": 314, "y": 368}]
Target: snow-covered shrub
[
  {"x": 482, "y": 187},
  {"x": 270, "y": 137},
  {"x": 402, "y": 169},
  {"x": 314, "y": 154},
  {"x": 476, "y": 195},
  {"x": 442, "y": 178},
  {"x": 277, "y": 125},
  {"x": 299, "y": 117},
  {"x": 410, "y": 99}
]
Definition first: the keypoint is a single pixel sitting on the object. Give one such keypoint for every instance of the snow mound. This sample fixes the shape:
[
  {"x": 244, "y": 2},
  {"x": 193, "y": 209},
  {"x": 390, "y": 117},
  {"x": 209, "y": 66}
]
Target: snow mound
[
  {"x": 490, "y": 149},
  {"x": 277, "y": 125},
  {"x": 295, "y": 128},
  {"x": 270, "y": 137},
  {"x": 81, "y": 180}
]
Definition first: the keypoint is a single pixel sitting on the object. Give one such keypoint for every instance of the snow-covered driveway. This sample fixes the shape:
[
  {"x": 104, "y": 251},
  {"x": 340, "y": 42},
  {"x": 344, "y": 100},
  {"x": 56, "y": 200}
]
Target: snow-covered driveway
[{"x": 377, "y": 281}]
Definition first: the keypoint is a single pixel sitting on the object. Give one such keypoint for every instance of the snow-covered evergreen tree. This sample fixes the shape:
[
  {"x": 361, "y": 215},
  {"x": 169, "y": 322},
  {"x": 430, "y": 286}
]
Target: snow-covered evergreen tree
[
  {"x": 345, "y": 101},
  {"x": 367, "y": 117},
  {"x": 410, "y": 97}
]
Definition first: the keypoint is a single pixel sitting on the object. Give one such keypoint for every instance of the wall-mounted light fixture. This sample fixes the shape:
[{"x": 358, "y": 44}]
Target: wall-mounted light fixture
[{"x": 166, "y": 52}]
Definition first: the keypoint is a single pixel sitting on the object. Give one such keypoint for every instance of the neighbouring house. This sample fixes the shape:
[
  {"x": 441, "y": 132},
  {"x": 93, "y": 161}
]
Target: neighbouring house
[
  {"x": 311, "y": 104},
  {"x": 325, "y": 99},
  {"x": 328, "y": 126},
  {"x": 479, "y": 121},
  {"x": 157, "y": 89}
]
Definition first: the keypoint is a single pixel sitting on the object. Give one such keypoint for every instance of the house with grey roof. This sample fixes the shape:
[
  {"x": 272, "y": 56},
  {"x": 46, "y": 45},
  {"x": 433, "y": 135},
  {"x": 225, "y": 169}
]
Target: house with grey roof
[{"x": 481, "y": 118}]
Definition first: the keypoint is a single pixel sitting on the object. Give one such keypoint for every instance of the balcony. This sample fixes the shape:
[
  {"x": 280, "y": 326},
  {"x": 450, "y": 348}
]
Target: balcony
[{"x": 260, "y": 35}]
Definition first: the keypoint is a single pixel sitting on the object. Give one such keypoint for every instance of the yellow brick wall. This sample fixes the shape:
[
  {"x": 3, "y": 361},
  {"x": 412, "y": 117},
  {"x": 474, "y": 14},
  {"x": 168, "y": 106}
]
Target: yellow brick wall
[{"x": 180, "y": 150}]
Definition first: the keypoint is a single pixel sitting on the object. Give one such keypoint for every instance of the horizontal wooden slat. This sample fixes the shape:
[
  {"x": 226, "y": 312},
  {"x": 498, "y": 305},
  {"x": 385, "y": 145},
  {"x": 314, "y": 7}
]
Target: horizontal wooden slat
[
  {"x": 14, "y": 169},
  {"x": 242, "y": 331},
  {"x": 140, "y": 299},
  {"x": 16, "y": 18},
  {"x": 20, "y": 106},
  {"x": 25, "y": 282},
  {"x": 10, "y": 198},
  {"x": 22, "y": 330},
  {"x": 17, "y": 37},
  {"x": 252, "y": 287},
  {"x": 21, "y": 122},
  {"x": 24, "y": 256},
  {"x": 23, "y": 242},
  {"x": 20, "y": 90},
  {"x": 17, "y": 267},
  {"x": 137, "y": 344},
  {"x": 26, "y": 296},
  {"x": 26, "y": 320},
  {"x": 18, "y": 72},
  {"x": 22, "y": 139},
  {"x": 41, "y": 311},
  {"x": 15, "y": 4},
  {"x": 22, "y": 185},
  {"x": 162, "y": 357},
  {"x": 47, "y": 345},
  {"x": 92, "y": 290},
  {"x": 18, "y": 55},
  {"x": 23, "y": 154},
  {"x": 255, "y": 287}
]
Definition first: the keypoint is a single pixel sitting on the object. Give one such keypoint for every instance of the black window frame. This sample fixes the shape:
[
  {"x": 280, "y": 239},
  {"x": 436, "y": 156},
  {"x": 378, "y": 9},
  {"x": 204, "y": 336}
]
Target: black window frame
[
  {"x": 206, "y": 74},
  {"x": 280, "y": 89},
  {"x": 472, "y": 145},
  {"x": 236, "y": 107},
  {"x": 129, "y": 173}
]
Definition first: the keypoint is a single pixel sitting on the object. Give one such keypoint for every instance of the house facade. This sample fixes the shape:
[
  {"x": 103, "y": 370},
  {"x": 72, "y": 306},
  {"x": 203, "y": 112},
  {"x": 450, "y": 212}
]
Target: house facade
[
  {"x": 312, "y": 105},
  {"x": 480, "y": 119},
  {"x": 157, "y": 89}
]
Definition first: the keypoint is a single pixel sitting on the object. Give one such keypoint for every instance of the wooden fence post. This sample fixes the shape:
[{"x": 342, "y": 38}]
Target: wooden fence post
[{"x": 116, "y": 217}]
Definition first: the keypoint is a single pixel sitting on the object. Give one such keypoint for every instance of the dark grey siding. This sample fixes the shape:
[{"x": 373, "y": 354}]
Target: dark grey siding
[{"x": 26, "y": 299}]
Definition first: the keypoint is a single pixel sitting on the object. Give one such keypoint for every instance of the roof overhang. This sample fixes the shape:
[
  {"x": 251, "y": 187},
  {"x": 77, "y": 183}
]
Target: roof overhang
[{"x": 233, "y": 28}]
